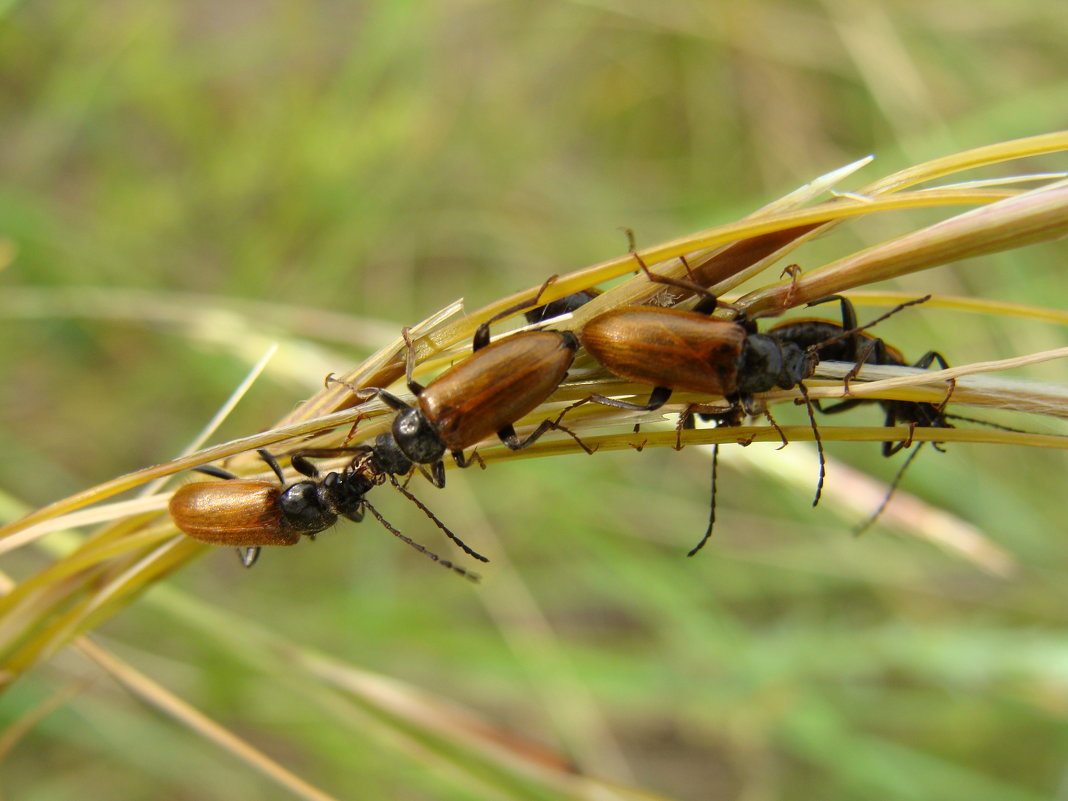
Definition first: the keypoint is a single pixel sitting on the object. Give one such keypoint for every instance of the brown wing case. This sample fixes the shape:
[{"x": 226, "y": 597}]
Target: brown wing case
[
  {"x": 496, "y": 386},
  {"x": 237, "y": 512},
  {"x": 667, "y": 348}
]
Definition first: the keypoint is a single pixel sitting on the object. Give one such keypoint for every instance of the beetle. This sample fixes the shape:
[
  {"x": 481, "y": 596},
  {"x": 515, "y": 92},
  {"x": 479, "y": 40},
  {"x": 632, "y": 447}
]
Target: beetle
[
  {"x": 691, "y": 351},
  {"x": 561, "y": 306},
  {"x": 483, "y": 394},
  {"x": 846, "y": 342},
  {"x": 250, "y": 514}
]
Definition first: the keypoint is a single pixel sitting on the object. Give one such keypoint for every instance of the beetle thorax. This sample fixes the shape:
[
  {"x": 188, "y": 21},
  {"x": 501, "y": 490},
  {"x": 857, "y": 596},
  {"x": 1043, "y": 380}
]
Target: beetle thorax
[
  {"x": 768, "y": 363},
  {"x": 303, "y": 507},
  {"x": 761, "y": 364},
  {"x": 388, "y": 457},
  {"x": 417, "y": 438}
]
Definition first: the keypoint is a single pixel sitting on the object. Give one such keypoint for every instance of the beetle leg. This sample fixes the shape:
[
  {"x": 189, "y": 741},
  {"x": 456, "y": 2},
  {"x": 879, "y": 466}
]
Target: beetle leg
[
  {"x": 352, "y": 430},
  {"x": 657, "y": 278},
  {"x": 367, "y": 393},
  {"x": 328, "y": 453},
  {"x": 391, "y": 400},
  {"x": 939, "y": 416},
  {"x": 409, "y": 364},
  {"x": 273, "y": 464},
  {"x": 461, "y": 461},
  {"x": 604, "y": 400},
  {"x": 482, "y": 333},
  {"x": 731, "y": 415},
  {"x": 849, "y": 319},
  {"x": 929, "y": 358},
  {"x": 706, "y": 305},
  {"x": 561, "y": 306},
  {"x": 303, "y": 466},
  {"x": 689, "y": 270},
  {"x": 333, "y": 379},
  {"x": 778, "y": 428},
  {"x": 792, "y": 270},
  {"x": 912, "y": 432},
  {"x": 436, "y": 474},
  {"x": 508, "y": 436},
  {"x": 851, "y": 333},
  {"x": 216, "y": 472},
  {"x": 657, "y": 398},
  {"x": 686, "y": 421},
  {"x": 890, "y": 448},
  {"x": 945, "y": 401},
  {"x": 843, "y": 406},
  {"x": 862, "y": 358},
  {"x": 850, "y": 329}
]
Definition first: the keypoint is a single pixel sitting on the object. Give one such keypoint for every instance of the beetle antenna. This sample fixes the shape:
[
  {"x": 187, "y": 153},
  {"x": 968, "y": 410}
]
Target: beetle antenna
[
  {"x": 889, "y": 493},
  {"x": 819, "y": 442},
  {"x": 463, "y": 546},
  {"x": 987, "y": 423},
  {"x": 426, "y": 552},
  {"x": 214, "y": 472},
  {"x": 712, "y": 513},
  {"x": 859, "y": 328}
]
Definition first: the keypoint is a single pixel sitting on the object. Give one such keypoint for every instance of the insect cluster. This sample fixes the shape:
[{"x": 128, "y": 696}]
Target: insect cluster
[{"x": 500, "y": 382}]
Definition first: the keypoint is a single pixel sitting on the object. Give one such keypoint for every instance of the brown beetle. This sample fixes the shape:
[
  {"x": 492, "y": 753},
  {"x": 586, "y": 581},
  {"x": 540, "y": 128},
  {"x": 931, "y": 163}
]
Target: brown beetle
[
  {"x": 691, "y": 351},
  {"x": 249, "y": 514},
  {"x": 481, "y": 395}
]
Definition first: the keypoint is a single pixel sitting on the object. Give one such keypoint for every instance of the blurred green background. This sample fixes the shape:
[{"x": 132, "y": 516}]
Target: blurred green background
[{"x": 185, "y": 182}]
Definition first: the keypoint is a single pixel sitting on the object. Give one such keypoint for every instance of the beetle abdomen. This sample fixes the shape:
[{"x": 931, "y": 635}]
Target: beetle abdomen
[
  {"x": 237, "y": 512},
  {"x": 496, "y": 386},
  {"x": 667, "y": 348}
]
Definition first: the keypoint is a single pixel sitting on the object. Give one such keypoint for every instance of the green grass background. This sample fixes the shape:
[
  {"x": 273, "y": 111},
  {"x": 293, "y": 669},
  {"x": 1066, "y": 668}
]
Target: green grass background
[{"x": 378, "y": 160}]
